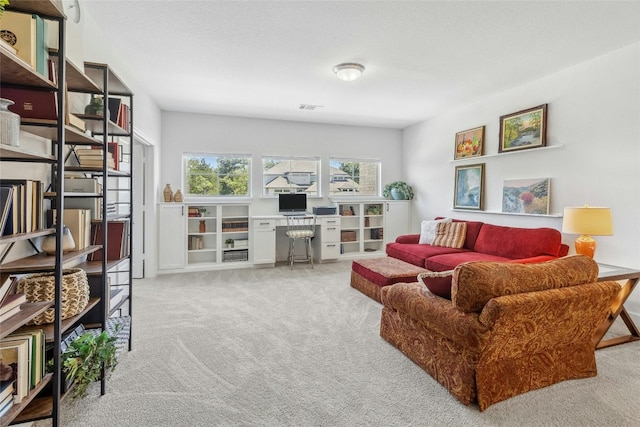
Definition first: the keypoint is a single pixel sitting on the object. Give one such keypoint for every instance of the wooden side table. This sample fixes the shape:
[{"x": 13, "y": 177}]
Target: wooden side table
[{"x": 631, "y": 278}]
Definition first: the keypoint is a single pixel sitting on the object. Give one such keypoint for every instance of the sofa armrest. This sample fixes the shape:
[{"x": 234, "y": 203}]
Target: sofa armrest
[
  {"x": 408, "y": 238},
  {"x": 533, "y": 259},
  {"x": 531, "y": 322},
  {"x": 436, "y": 314}
]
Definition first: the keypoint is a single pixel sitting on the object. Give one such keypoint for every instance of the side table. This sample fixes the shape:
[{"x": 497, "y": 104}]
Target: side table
[{"x": 631, "y": 278}]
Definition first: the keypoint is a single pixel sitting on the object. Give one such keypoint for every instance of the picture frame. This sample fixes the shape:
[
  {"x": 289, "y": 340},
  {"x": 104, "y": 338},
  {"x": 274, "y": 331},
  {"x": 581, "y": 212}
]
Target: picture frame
[
  {"x": 526, "y": 196},
  {"x": 469, "y": 143},
  {"x": 469, "y": 187},
  {"x": 524, "y": 129}
]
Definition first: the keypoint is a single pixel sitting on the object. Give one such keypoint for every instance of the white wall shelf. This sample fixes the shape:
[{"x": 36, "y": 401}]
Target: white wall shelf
[
  {"x": 556, "y": 215},
  {"x": 508, "y": 153}
]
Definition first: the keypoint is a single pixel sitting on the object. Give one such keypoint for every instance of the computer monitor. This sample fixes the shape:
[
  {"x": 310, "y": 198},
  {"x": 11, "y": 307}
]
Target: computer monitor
[{"x": 292, "y": 202}]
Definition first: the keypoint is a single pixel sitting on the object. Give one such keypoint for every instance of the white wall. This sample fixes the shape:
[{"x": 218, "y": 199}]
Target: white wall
[
  {"x": 187, "y": 132},
  {"x": 593, "y": 113}
]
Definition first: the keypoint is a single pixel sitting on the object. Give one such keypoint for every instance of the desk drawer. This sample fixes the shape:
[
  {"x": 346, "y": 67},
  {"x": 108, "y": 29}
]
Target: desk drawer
[
  {"x": 330, "y": 233},
  {"x": 330, "y": 250},
  {"x": 264, "y": 223}
]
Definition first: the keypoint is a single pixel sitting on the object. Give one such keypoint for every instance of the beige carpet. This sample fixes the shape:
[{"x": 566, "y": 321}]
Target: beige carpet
[{"x": 274, "y": 347}]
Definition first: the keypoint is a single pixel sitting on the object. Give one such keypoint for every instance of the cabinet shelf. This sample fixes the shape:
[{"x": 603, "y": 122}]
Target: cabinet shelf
[
  {"x": 94, "y": 124},
  {"x": 14, "y": 70},
  {"x": 9, "y": 153},
  {"x": 48, "y": 129},
  {"x": 28, "y": 311},
  {"x": 25, "y": 236}
]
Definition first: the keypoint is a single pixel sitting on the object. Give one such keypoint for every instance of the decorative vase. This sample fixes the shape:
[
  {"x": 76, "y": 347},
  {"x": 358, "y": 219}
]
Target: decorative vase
[
  {"x": 178, "y": 196},
  {"x": 203, "y": 226},
  {"x": 168, "y": 193},
  {"x": 49, "y": 242},
  {"x": 9, "y": 124},
  {"x": 396, "y": 194},
  {"x": 95, "y": 107}
]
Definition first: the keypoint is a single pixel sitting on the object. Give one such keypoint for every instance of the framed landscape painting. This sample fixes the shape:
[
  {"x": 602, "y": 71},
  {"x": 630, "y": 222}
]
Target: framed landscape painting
[
  {"x": 524, "y": 129},
  {"x": 469, "y": 143},
  {"x": 469, "y": 186},
  {"x": 526, "y": 196}
]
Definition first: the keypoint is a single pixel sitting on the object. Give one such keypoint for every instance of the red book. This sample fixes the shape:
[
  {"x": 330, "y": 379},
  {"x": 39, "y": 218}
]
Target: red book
[
  {"x": 31, "y": 103},
  {"x": 116, "y": 240}
]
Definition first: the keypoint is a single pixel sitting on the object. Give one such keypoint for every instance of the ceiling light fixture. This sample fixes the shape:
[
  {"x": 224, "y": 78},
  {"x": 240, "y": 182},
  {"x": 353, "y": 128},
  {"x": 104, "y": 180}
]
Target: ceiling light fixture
[{"x": 348, "y": 71}]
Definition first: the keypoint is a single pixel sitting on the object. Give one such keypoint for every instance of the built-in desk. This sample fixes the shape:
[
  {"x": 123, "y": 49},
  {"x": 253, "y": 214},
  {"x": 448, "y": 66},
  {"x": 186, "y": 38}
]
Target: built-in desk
[{"x": 271, "y": 244}]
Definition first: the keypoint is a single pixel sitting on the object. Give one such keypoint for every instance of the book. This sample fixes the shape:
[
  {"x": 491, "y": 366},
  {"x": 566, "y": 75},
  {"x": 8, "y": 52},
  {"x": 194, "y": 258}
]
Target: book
[
  {"x": 41, "y": 48},
  {"x": 7, "y": 402},
  {"x": 23, "y": 29},
  {"x": 7, "y": 285},
  {"x": 6, "y": 200},
  {"x": 32, "y": 103},
  {"x": 82, "y": 185},
  {"x": 117, "y": 233},
  {"x": 30, "y": 201},
  {"x": 14, "y": 356},
  {"x": 37, "y": 339},
  {"x": 78, "y": 221},
  {"x": 12, "y": 300},
  {"x": 114, "y": 109}
]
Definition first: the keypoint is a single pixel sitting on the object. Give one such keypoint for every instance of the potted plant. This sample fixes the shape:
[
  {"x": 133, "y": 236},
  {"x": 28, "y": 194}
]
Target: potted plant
[
  {"x": 3, "y": 3},
  {"x": 398, "y": 190},
  {"x": 83, "y": 360},
  {"x": 229, "y": 243}
]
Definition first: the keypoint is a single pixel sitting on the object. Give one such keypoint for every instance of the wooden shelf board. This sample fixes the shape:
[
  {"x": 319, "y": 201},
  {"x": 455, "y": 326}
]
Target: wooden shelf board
[
  {"x": 27, "y": 311},
  {"x": 96, "y": 71},
  {"x": 8, "y": 152},
  {"x": 25, "y": 236},
  {"x": 42, "y": 262},
  {"x": 45, "y": 8},
  {"x": 14, "y": 70},
  {"x": 70, "y": 322},
  {"x": 32, "y": 407},
  {"x": 48, "y": 129},
  {"x": 94, "y": 268},
  {"x": 77, "y": 80}
]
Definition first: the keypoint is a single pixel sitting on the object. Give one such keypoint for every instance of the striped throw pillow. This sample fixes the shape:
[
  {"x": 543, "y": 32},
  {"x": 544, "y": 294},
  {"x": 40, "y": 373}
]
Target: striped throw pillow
[{"x": 451, "y": 234}]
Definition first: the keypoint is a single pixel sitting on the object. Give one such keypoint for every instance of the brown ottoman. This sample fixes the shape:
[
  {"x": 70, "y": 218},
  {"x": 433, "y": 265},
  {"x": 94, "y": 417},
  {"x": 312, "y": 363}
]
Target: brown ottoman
[{"x": 370, "y": 275}]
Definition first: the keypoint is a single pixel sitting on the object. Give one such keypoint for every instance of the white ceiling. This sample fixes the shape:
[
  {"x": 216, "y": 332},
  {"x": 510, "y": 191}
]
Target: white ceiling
[{"x": 265, "y": 58}]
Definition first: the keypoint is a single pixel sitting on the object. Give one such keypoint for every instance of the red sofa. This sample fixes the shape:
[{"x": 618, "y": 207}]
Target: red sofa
[{"x": 483, "y": 242}]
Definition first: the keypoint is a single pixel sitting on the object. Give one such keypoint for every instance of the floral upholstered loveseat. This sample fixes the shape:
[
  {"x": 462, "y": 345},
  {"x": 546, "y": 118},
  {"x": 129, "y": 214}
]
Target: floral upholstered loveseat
[{"x": 509, "y": 328}]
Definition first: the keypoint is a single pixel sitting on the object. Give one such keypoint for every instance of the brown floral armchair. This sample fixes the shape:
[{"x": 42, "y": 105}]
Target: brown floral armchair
[{"x": 509, "y": 328}]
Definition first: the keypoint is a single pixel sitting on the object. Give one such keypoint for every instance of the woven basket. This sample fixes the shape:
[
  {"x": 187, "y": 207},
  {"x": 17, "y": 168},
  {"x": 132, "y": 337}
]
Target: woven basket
[{"x": 41, "y": 287}]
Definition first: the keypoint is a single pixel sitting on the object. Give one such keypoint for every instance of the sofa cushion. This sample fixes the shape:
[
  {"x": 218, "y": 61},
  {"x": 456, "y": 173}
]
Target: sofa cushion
[
  {"x": 450, "y": 234},
  {"x": 473, "y": 229},
  {"x": 437, "y": 282},
  {"x": 450, "y": 261},
  {"x": 514, "y": 243},
  {"x": 475, "y": 283},
  {"x": 429, "y": 230},
  {"x": 416, "y": 253}
]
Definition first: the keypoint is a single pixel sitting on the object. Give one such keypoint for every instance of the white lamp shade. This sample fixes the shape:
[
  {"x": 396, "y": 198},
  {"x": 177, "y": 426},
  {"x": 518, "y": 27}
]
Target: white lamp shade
[
  {"x": 348, "y": 71},
  {"x": 593, "y": 221}
]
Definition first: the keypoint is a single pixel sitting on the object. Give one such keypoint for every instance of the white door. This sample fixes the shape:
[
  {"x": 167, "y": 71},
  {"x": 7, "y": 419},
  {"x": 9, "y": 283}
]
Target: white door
[
  {"x": 139, "y": 209},
  {"x": 397, "y": 219}
]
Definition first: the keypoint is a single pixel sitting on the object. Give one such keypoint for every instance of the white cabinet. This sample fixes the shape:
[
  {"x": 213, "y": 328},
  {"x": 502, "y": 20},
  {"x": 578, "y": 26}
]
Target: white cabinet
[
  {"x": 326, "y": 245},
  {"x": 264, "y": 241},
  {"x": 202, "y": 236},
  {"x": 172, "y": 236},
  {"x": 397, "y": 219},
  {"x": 362, "y": 227}
]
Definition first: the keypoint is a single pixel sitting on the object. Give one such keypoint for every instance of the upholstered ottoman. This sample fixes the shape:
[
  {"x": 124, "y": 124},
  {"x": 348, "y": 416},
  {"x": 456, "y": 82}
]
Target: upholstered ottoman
[{"x": 370, "y": 275}]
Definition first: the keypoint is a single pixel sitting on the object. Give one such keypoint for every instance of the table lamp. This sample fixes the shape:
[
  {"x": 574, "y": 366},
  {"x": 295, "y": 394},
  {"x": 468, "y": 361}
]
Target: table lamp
[{"x": 587, "y": 221}]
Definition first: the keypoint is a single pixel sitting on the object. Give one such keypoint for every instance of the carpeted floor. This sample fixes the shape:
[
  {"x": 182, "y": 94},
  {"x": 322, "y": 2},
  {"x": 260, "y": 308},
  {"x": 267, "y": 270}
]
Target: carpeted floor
[{"x": 274, "y": 347}]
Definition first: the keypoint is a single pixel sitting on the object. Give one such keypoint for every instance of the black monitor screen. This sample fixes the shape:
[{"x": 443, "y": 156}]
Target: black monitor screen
[{"x": 292, "y": 202}]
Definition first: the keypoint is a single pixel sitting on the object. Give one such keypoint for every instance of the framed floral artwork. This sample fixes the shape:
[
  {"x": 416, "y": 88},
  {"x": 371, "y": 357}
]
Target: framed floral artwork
[
  {"x": 526, "y": 196},
  {"x": 469, "y": 143},
  {"x": 469, "y": 187},
  {"x": 524, "y": 129}
]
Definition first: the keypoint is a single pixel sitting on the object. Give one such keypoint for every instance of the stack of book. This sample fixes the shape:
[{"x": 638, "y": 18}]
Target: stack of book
[
  {"x": 21, "y": 206},
  {"x": 92, "y": 158},
  {"x": 195, "y": 243},
  {"x": 117, "y": 240}
]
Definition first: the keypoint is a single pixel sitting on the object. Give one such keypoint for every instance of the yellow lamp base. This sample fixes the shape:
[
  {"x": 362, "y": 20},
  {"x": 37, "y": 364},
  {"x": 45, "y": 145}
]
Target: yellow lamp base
[{"x": 586, "y": 245}]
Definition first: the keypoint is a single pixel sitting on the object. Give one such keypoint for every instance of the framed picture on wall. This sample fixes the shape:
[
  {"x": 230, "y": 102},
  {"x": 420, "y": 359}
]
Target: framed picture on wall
[
  {"x": 526, "y": 196},
  {"x": 469, "y": 143},
  {"x": 524, "y": 129},
  {"x": 469, "y": 187}
]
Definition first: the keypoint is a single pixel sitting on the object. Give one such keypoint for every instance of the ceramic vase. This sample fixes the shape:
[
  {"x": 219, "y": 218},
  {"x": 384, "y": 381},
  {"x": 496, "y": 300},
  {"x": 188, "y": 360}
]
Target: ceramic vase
[
  {"x": 9, "y": 124},
  {"x": 49, "y": 242},
  {"x": 168, "y": 193},
  {"x": 396, "y": 194},
  {"x": 203, "y": 226},
  {"x": 178, "y": 196}
]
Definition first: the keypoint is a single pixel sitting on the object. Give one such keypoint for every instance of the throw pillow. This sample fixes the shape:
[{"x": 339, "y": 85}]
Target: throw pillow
[
  {"x": 450, "y": 235},
  {"x": 437, "y": 282},
  {"x": 428, "y": 230}
]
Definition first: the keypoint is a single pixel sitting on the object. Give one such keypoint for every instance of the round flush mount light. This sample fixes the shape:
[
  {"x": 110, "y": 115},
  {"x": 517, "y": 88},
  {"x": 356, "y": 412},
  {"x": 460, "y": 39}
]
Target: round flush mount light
[{"x": 348, "y": 71}]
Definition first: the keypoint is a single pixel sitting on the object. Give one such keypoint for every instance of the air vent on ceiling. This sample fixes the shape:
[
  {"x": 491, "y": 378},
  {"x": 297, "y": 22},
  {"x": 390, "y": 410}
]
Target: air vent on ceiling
[{"x": 309, "y": 107}]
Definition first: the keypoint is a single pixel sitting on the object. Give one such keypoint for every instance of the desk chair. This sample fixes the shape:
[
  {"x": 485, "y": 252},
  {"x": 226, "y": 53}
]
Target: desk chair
[{"x": 300, "y": 228}]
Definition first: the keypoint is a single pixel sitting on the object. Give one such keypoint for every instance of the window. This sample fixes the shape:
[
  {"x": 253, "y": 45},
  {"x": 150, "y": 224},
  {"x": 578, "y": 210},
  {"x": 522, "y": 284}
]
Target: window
[
  {"x": 354, "y": 177},
  {"x": 290, "y": 175},
  {"x": 213, "y": 175}
]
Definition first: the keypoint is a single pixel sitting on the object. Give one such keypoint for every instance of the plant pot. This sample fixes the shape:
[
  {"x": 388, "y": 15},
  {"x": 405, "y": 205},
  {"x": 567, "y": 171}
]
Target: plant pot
[{"x": 396, "y": 194}]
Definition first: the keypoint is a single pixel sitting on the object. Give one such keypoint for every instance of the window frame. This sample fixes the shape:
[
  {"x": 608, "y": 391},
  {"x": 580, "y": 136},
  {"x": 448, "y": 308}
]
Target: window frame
[
  {"x": 190, "y": 154},
  {"x": 316, "y": 159},
  {"x": 353, "y": 194}
]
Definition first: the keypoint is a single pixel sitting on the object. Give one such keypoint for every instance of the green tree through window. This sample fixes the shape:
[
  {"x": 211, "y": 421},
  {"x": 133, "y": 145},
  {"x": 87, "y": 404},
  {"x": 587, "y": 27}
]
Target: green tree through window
[{"x": 216, "y": 175}]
